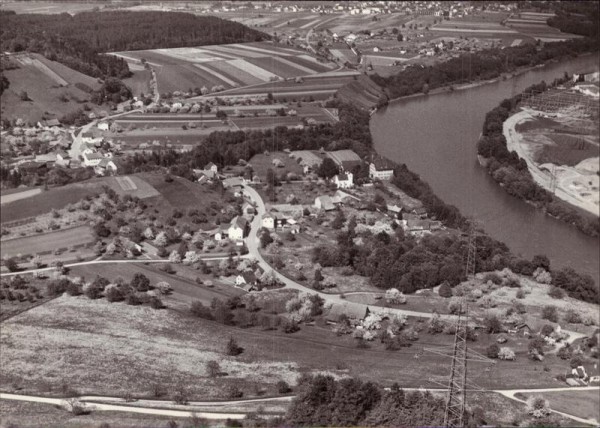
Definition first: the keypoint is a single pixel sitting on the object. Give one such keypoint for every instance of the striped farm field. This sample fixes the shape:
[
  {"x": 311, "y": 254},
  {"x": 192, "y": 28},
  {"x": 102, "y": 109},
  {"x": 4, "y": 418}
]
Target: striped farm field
[
  {"x": 230, "y": 66},
  {"x": 230, "y": 69}
]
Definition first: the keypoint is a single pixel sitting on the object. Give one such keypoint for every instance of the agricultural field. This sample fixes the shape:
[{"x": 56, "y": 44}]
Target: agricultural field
[
  {"x": 318, "y": 87},
  {"x": 52, "y": 88},
  {"x": 48, "y": 242},
  {"x": 228, "y": 66}
]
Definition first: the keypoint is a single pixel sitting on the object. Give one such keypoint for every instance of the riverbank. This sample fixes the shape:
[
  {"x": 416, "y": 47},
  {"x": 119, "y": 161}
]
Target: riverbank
[{"x": 562, "y": 182}]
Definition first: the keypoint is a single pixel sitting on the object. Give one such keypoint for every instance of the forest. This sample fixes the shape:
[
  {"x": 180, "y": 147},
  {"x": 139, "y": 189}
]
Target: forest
[
  {"x": 483, "y": 65},
  {"x": 577, "y": 17},
  {"x": 511, "y": 172},
  {"x": 323, "y": 401},
  {"x": 80, "y": 41}
]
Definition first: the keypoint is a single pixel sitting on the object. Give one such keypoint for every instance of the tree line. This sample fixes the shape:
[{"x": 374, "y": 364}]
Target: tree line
[
  {"x": 483, "y": 65},
  {"x": 511, "y": 172}
]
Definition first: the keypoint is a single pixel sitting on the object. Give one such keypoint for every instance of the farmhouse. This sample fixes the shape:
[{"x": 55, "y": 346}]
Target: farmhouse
[
  {"x": 105, "y": 166},
  {"x": 211, "y": 167},
  {"x": 221, "y": 233},
  {"x": 394, "y": 210},
  {"x": 381, "y": 169},
  {"x": 246, "y": 280},
  {"x": 92, "y": 159},
  {"x": 88, "y": 137},
  {"x": 233, "y": 182},
  {"x": 324, "y": 203},
  {"x": 344, "y": 180},
  {"x": 238, "y": 228},
  {"x": 269, "y": 220},
  {"x": 248, "y": 209}
]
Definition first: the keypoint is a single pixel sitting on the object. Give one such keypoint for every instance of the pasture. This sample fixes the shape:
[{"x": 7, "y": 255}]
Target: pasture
[
  {"x": 48, "y": 242},
  {"x": 233, "y": 65},
  {"x": 50, "y": 86}
]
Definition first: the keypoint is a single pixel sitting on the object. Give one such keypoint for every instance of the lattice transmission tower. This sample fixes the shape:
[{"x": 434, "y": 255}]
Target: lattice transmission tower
[
  {"x": 471, "y": 251},
  {"x": 456, "y": 399}
]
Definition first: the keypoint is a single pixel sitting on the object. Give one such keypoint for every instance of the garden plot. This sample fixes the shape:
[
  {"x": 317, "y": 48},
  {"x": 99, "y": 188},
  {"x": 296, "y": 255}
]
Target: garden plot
[{"x": 275, "y": 66}]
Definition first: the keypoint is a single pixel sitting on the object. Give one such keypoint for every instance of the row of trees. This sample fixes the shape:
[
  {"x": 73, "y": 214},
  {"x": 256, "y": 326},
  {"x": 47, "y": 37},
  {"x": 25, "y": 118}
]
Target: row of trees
[
  {"x": 482, "y": 65},
  {"x": 508, "y": 169}
]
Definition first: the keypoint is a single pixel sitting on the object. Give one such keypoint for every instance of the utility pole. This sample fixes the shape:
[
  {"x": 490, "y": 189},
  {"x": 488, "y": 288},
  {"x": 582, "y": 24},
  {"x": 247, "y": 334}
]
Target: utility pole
[{"x": 456, "y": 399}]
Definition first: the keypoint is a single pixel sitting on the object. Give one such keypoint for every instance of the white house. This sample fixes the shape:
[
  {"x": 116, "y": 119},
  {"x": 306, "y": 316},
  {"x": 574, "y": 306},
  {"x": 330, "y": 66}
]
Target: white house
[
  {"x": 246, "y": 279},
  {"x": 237, "y": 229},
  {"x": 103, "y": 126},
  {"x": 92, "y": 159},
  {"x": 381, "y": 169},
  {"x": 268, "y": 221},
  {"x": 344, "y": 180},
  {"x": 221, "y": 233}
]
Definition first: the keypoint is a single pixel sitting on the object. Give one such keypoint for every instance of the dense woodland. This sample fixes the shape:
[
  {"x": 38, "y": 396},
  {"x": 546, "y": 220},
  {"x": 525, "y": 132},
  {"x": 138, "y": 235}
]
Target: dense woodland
[
  {"x": 478, "y": 66},
  {"x": 579, "y": 17},
  {"x": 323, "y": 401},
  {"x": 508, "y": 169},
  {"x": 80, "y": 41}
]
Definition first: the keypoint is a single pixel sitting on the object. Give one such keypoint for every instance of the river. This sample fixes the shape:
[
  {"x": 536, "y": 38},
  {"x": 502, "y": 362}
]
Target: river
[{"x": 436, "y": 137}]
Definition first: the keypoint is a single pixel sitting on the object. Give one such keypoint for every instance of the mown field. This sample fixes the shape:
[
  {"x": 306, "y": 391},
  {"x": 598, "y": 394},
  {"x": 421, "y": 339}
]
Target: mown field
[
  {"x": 231, "y": 65},
  {"x": 50, "y": 87},
  {"x": 48, "y": 242}
]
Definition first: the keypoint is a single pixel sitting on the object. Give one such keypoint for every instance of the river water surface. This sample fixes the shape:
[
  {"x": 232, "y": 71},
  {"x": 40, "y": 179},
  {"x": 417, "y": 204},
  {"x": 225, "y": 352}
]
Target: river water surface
[{"x": 436, "y": 137}]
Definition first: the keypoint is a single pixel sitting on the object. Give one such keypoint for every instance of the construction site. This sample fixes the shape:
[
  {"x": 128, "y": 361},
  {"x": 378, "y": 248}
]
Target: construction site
[{"x": 556, "y": 132}]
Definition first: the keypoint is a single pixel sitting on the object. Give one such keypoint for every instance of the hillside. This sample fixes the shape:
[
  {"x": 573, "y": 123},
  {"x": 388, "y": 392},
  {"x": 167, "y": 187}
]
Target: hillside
[
  {"x": 362, "y": 92},
  {"x": 52, "y": 88}
]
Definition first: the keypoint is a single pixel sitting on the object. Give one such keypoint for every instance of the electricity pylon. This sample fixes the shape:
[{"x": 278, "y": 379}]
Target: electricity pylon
[{"x": 456, "y": 399}]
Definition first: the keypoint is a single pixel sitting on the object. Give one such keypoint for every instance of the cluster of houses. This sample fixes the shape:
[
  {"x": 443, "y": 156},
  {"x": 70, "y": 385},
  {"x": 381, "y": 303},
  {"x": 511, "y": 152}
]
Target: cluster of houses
[{"x": 94, "y": 156}]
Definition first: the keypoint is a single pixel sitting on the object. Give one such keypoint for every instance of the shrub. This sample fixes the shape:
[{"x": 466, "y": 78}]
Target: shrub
[
  {"x": 232, "y": 348},
  {"x": 573, "y": 317},
  {"x": 283, "y": 387},
  {"x": 113, "y": 293},
  {"x": 550, "y": 313},
  {"x": 213, "y": 369},
  {"x": 493, "y": 324},
  {"x": 198, "y": 309},
  {"x": 290, "y": 326},
  {"x": 493, "y": 277},
  {"x": 547, "y": 330},
  {"x": 456, "y": 306},
  {"x": 506, "y": 353},
  {"x": 556, "y": 293},
  {"x": 538, "y": 407},
  {"x": 520, "y": 294},
  {"x": 576, "y": 361},
  {"x": 493, "y": 350},
  {"x": 232, "y": 391},
  {"x": 565, "y": 352},
  {"x": 156, "y": 303}
]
